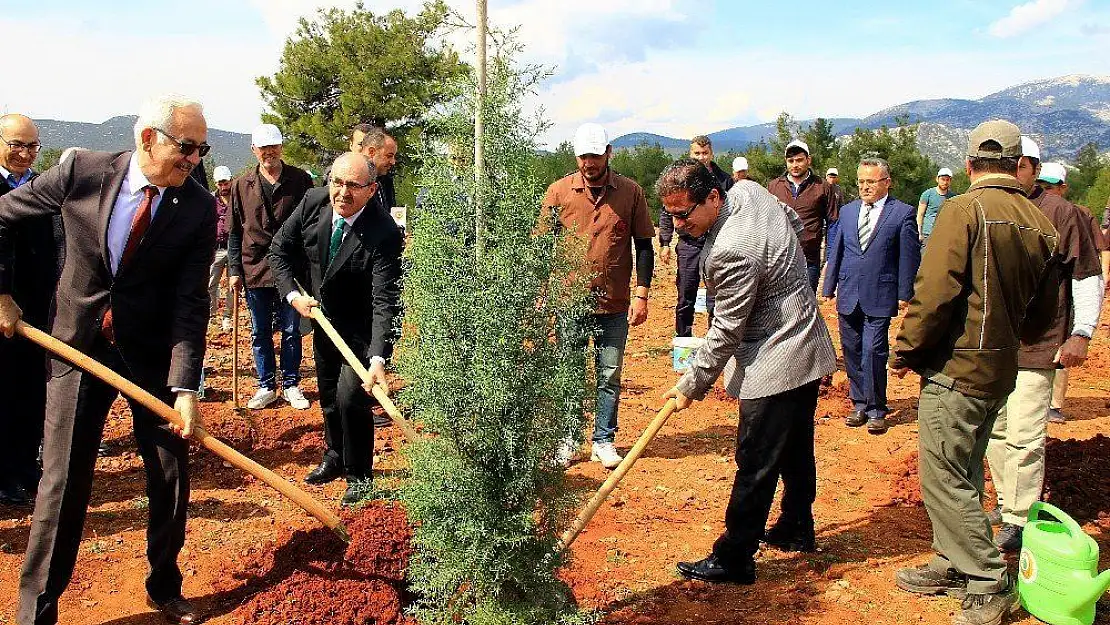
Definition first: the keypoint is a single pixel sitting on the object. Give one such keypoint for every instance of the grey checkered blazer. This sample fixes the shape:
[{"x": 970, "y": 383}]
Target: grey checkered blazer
[{"x": 767, "y": 335}]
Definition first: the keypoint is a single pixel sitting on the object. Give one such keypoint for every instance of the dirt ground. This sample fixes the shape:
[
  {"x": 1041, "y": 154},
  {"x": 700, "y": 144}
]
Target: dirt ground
[{"x": 669, "y": 508}]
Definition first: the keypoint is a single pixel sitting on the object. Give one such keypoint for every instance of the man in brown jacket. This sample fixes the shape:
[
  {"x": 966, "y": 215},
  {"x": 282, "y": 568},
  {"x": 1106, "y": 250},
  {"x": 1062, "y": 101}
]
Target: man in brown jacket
[
  {"x": 989, "y": 280},
  {"x": 814, "y": 199},
  {"x": 261, "y": 200}
]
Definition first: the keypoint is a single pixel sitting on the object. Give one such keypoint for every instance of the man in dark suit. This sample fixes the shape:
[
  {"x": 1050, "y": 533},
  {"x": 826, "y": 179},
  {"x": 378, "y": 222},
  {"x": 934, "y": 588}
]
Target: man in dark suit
[
  {"x": 22, "y": 365},
  {"x": 873, "y": 258},
  {"x": 140, "y": 237},
  {"x": 348, "y": 255},
  {"x": 378, "y": 146}
]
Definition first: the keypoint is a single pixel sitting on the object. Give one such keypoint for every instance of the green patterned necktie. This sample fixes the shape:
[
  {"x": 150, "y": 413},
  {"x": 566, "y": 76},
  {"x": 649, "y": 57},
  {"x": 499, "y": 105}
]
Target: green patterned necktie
[{"x": 336, "y": 239}]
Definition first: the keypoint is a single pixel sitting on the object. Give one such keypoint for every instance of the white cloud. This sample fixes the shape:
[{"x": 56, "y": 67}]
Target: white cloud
[{"x": 1025, "y": 17}]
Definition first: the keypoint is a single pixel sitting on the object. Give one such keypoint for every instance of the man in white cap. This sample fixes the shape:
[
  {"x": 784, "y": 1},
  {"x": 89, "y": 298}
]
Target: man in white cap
[
  {"x": 222, "y": 176},
  {"x": 832, "y": 175},
  {"x": 739, "y": 169},
  {"x": 261, "y": 200},
  {"x": 813, "y": 198},
  {"x": 1016, "y": 449},
  {"x": 931, "y": 200},
  {"x": 610, "y": 212}
]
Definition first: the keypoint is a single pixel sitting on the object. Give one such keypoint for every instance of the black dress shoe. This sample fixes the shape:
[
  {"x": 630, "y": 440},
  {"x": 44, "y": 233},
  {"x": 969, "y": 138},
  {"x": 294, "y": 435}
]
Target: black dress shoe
[
  {"x": 856, "y": 419},
  {"x": 16, "y": 496},
  {"x": 359, "y": 489},
  {"x": 877, "y": 425},
  {"x": 327, "y": 471},
  {"x": 712, "y": 570},
  {"x": 177, "y": 610},
  {"x": 790, "y": 538}
]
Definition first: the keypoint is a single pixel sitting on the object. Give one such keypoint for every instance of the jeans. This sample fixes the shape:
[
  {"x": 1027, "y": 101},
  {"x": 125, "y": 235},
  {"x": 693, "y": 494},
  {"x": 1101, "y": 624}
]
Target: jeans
[
  {"x": 214, "y": 275},
  {"x": 264, "y": 303},
  {"x": 687, "y": 279},
  {"x": 610, "y": 337},
  {"x": 813, "y": 273}
]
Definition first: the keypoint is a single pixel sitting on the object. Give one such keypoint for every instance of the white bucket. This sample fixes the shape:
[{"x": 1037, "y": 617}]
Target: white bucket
[
  {"x": 701, "y": 303},
  {"x": 683, "y": 351}
]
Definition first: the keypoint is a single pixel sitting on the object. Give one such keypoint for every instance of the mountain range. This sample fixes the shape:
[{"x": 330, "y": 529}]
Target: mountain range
[{"x": 1062, "y": 114}]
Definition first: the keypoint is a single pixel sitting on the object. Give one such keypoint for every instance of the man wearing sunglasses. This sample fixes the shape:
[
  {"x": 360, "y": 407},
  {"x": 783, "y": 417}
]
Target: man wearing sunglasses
[
  {"x": 261, "y": 200},
  {"x": 347, "y": 253},
  {"x": 139, "y": 239},
  {"x": 22, "y": 364},
  {"x": 769, "y": 340}
]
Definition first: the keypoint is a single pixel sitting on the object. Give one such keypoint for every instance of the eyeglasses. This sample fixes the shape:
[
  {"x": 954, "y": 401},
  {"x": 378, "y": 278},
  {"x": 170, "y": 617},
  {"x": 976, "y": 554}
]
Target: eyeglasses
[
  {"x": 350, "y": 185},
  {"x": 686, "y": 213},
  {"x": 20, "y": 146},
  {"x": 187, "y": 147},
  {"x": 869, "y": 183}
]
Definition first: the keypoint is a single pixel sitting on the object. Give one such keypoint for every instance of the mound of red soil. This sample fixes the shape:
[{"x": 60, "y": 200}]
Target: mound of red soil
[
  {"x": 906, "y": 490},
  {"x": 312, "y": 578},
  {"x": 1076, "y": 480}
]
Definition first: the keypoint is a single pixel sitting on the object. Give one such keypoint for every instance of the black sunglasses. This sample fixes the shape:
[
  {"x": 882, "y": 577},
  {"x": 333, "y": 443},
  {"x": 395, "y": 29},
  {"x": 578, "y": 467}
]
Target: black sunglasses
[
  {"x": 686, "y": 213},
  {"x": 186, "y": 147}
]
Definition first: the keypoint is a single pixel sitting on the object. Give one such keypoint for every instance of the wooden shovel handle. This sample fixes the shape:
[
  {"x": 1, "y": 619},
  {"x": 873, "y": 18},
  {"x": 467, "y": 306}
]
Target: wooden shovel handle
[
  {"x": 616, "y": 476},
  {"x": 234, "y": 347},
  {"x": 216, "y": 446}
]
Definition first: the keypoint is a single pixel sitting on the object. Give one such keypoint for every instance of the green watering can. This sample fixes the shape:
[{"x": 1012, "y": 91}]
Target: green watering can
[{"x": 1058, "y": 578}]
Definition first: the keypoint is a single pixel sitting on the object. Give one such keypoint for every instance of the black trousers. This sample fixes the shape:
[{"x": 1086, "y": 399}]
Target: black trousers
[
  {"x": 775, "y": 438},
  {"x": 348, "y": 421},
  {"x": 77, "y": 406},
  {"x": 23, "y": 387},
  {"x": 687, "y": 280}
]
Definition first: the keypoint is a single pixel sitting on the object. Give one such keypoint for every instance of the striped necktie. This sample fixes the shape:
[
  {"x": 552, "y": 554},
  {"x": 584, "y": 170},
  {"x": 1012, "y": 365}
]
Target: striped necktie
[{"x": 864, "y": 226}]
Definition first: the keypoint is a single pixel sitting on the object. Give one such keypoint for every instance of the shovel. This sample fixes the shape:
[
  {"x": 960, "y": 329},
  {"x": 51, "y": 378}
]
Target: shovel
[
  {"x": 216, "y": 446},
  {"x": 615, "y": 477},
  {"x": 379, "y": 393}
]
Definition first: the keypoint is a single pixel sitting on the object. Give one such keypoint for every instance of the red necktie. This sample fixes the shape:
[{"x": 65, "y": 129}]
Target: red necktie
[{"x": 139, "y": 225}]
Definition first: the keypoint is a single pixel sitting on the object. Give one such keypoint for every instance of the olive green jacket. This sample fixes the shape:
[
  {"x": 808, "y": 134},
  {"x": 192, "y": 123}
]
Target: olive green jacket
[{"x": 988, "y": 278}]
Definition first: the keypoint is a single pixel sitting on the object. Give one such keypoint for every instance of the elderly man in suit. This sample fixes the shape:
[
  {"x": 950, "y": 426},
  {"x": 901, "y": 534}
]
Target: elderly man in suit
[
  {"x": 140, "y": 237},
  {"x": 348, "y": 255},
  {"x": 770, "y": 341},
  {"x": 871, "y": 266}
]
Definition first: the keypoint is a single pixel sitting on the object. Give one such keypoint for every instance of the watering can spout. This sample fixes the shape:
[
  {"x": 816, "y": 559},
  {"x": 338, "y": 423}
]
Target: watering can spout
[{"x": 1098, "y": 586}]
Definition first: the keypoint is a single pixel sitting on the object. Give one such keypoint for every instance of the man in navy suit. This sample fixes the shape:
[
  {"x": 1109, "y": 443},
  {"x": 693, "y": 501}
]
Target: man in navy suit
[{"x": 873, "y": 258}]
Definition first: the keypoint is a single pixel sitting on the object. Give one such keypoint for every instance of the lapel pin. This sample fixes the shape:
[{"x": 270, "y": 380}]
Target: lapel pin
[{"x": 175, "y": 200}]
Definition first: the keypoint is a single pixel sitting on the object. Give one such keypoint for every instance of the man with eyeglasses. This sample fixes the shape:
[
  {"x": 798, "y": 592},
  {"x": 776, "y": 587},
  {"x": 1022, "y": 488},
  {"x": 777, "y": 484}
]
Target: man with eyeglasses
[
  {"x": 139, "y": 239},
  {"x": 22, "y": 364},
  {"x": 261, "y": 200},
  {"x": 813, "y": 198},
  {"x": 348, "y": 257},
  {"x": 771, "y": 344},
  {"x": 873, "y": 258}
]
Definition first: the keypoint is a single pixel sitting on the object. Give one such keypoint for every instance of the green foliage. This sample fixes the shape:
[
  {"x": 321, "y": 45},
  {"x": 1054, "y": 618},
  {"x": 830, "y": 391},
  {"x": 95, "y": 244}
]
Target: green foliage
[
  {"x": 822, "y": 145},
  {"x": 493, "y": 387},
  {"x": 643, "y": 163},
  {"x": 1098, "y": 195},
  {"x": 48, "y": 157},
  {"x": 1089, "y": 164},
  {"x": 911, "y": 171},
  {"x": 346, "y": 68},
  {"x": 550, "y": 166}
]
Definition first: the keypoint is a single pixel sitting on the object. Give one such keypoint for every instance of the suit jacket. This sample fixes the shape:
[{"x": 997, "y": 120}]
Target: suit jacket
[
  {"x": 877, "y": 278},
  {"x": 37, "y": 261},
  {"x": 159, "y": 300},
  {"x": 767, "y": 334},
  {"x": 359, "y": 290}
]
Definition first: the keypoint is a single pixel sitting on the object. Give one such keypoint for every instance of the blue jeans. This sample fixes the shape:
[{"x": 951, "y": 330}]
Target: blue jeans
[
  {"x": 610, "y": 336},
  {"x": 813, "y": 274},
  {"x": 262, "y": 303}
]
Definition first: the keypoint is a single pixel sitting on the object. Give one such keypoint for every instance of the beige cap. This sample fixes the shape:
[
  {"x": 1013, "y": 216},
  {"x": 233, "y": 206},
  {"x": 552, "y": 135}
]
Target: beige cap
[{"x": 1001, "y": 132}]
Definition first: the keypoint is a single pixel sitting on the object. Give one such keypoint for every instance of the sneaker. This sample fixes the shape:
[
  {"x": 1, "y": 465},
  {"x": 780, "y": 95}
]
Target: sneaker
[
  {"x": 923, "y": 580},
  {"x": 1055, "y": 416},
  {"x": 606, "y": 454},
  {"x": 264, "y": 397},
  {"x": 565, "y": 453},
  {"x": 225, "y": 325},
  {"x": 295, "y": 397},
  {"x": 987, "y": 609},
  {"x": 1008, "y": 538}
]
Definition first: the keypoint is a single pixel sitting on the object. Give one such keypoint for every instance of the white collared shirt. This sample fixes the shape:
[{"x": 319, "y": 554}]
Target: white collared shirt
[
  {"x": 123, "y": 211},
  {"x": 873, "y": 213}
]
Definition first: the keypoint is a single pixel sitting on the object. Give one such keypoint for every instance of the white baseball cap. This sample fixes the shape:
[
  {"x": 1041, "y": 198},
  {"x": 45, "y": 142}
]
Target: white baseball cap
[
  {"x": 266, "y": 134},
  {"x": 832, "y": 171},
  {"x": 1029, "y": 148},
  {"x": 797, "y": 143},
  {"x": 221, "y": 173},
  {"x": 590, "y": 139},
  {"x": 1053, "y": 173},
  {"x": 739, "y": 164},
  {"x": 944, "y": 171}
]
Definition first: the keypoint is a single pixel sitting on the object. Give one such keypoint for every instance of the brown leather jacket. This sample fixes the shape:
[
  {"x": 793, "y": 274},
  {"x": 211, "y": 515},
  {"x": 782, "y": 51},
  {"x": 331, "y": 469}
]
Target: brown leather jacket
[
  {"x": 988, "y": 279},
  {"x": 252, "y": 221},
  {"x": 817, "y": 204}
]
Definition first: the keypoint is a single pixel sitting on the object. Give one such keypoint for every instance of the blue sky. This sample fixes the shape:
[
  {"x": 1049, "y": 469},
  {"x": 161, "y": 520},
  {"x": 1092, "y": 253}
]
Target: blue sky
[{"x": 676, "y": 67}]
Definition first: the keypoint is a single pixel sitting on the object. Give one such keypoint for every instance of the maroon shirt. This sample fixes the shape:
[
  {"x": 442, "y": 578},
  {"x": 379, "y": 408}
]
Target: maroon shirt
[{"x": 221, "y": 224}]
